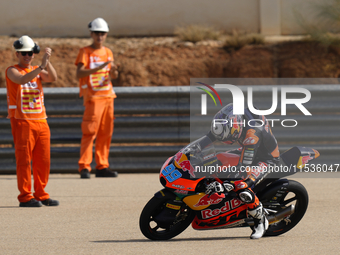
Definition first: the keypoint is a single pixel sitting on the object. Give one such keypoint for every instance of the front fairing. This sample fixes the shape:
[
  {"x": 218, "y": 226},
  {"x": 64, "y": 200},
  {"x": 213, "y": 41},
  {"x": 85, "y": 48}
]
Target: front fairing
[{"x": 178, "y": 173}]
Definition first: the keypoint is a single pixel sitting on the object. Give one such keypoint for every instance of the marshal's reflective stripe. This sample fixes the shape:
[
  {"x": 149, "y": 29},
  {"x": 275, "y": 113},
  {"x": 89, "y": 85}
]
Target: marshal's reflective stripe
[
  {"x": 84, "y": 86},
  {"x": 12, "y": 107}
]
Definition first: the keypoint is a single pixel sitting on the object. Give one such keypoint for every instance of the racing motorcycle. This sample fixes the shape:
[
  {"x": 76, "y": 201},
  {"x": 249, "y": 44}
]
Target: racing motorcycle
[{"x": 183, "y": 200}]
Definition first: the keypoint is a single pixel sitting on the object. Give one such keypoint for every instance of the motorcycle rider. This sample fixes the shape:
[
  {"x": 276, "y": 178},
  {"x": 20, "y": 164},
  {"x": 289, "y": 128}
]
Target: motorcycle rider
[{"x": 258, "y": 150}]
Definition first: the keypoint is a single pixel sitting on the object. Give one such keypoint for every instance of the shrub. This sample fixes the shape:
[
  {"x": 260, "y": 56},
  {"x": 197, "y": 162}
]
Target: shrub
[
  {"x": 326, "y": 28},
  {"x": 326, "y": 39},
  {"x": 237, "y": 41},
  {"x": 196, "y": 33}
]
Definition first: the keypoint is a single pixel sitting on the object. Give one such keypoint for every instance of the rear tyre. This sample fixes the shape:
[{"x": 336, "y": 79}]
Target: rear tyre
[
  {"x": 295, "y": 193},
  {"x": 158, "y": 230}
]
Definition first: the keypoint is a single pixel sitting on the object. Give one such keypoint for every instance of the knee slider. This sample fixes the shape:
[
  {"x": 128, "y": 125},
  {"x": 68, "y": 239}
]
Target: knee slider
[{"x": 247, "y": 196}]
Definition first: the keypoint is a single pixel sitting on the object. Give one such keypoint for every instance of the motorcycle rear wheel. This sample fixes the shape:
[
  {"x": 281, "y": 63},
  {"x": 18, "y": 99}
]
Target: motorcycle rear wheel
[
  {"x": 295, "y": 194},
  {"x": 152, "y": 230}
]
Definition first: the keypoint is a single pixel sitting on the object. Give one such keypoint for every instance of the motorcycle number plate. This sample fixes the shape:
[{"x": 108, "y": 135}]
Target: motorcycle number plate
[{"x": 171, "y": 173}]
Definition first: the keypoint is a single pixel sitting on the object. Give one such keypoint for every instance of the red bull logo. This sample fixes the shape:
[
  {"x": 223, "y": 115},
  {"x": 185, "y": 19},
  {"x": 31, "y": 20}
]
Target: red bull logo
[
  {"x": 306, "y": 159},
  {"x": 229, "y": 205},
  {"x": 236, "y": 126},
  {"x": 186, "y": 166},
  {"x": 184, "y": 163},
  {"x": 210, "y": 200}
]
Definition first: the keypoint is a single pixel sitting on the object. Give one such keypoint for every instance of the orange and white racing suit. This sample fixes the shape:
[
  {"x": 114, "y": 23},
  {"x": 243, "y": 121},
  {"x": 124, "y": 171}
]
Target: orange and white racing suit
[
  {"x": 31, "y": 135},
  {"x": 259, "y": 149},
  {"x": 98, "y": 118}
]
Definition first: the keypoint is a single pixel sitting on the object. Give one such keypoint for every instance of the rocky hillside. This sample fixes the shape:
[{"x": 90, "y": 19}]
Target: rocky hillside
[{"x": 165, "y": 61}]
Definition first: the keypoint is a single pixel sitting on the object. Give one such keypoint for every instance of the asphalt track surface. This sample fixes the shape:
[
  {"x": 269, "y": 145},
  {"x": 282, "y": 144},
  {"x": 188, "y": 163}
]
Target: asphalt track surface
[{"x": 100, "y": 216}]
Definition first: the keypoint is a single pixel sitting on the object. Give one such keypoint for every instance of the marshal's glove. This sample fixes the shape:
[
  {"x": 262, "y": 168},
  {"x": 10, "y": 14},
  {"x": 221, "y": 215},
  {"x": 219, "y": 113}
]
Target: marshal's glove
[{"x": 214, "y": 187}]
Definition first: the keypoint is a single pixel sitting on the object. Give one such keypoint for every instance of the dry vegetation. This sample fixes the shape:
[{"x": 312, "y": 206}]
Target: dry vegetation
[
  {"x": 196, "y": 33},
  {"x": 196, "y": 51},
  {"x": 325, "y": 28},
  {"x": 237, "y": 40},
  {"x": 232, "y": 41}
]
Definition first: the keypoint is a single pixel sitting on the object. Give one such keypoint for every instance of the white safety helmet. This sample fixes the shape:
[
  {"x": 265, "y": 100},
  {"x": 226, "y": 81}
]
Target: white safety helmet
[
  {"x": 98, "y": 25},
  {"x": 25, "y": 43}
]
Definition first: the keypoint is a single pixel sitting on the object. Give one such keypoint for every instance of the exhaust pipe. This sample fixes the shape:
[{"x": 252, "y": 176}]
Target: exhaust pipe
[
  {"x": 277, "y": 216},
  {"x": 281, "y": 215}
]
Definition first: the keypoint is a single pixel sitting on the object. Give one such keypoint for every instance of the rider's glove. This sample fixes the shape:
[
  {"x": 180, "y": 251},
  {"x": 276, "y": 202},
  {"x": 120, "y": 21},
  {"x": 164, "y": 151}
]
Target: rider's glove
[
  {"x": 228, "y": 186},
  {"x": 240, "y": 185},
  {"x": 214, "y": 187},
  {"x": 234, "y": 185}
]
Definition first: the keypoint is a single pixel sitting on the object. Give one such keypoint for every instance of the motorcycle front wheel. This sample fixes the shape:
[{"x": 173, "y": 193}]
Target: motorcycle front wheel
[{"x": 155, "y": 230}]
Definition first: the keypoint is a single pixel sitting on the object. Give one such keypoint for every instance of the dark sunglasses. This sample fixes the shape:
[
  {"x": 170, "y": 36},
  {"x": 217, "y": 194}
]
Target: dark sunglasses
[
  {"x": 30, "y": 53},
  {"x": 99, "y": 33}
]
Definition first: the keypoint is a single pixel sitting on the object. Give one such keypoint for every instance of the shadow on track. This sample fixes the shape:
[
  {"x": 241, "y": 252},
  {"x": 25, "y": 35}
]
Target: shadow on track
[{"x": 172, "y": 240}]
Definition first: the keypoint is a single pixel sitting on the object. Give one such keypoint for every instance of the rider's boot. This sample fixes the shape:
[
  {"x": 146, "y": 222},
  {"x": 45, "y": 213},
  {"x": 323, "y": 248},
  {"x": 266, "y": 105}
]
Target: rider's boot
[{"x": 260, "y": 222}]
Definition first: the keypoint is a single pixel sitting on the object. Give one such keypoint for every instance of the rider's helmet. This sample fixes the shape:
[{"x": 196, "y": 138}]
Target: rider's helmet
[{"x": 226, "y": 126}]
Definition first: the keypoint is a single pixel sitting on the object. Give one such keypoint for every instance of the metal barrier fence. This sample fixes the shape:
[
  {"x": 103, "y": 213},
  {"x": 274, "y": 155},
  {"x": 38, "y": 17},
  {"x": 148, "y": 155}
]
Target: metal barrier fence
[{"x": 153, "y": 123}]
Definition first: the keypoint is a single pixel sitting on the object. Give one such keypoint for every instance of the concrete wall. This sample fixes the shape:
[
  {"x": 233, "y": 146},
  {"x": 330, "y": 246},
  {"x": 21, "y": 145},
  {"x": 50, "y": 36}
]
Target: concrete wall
[
  {"x": 128, "y": 17},
  {"x": 296, "y": 14},
  {"x": 144, "y": 17}
]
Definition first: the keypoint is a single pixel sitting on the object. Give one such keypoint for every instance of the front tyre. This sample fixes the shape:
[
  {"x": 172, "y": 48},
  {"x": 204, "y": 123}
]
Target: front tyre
[
  {"x": 293, "y": 193},
  {"x": 153, "y": 229}
]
